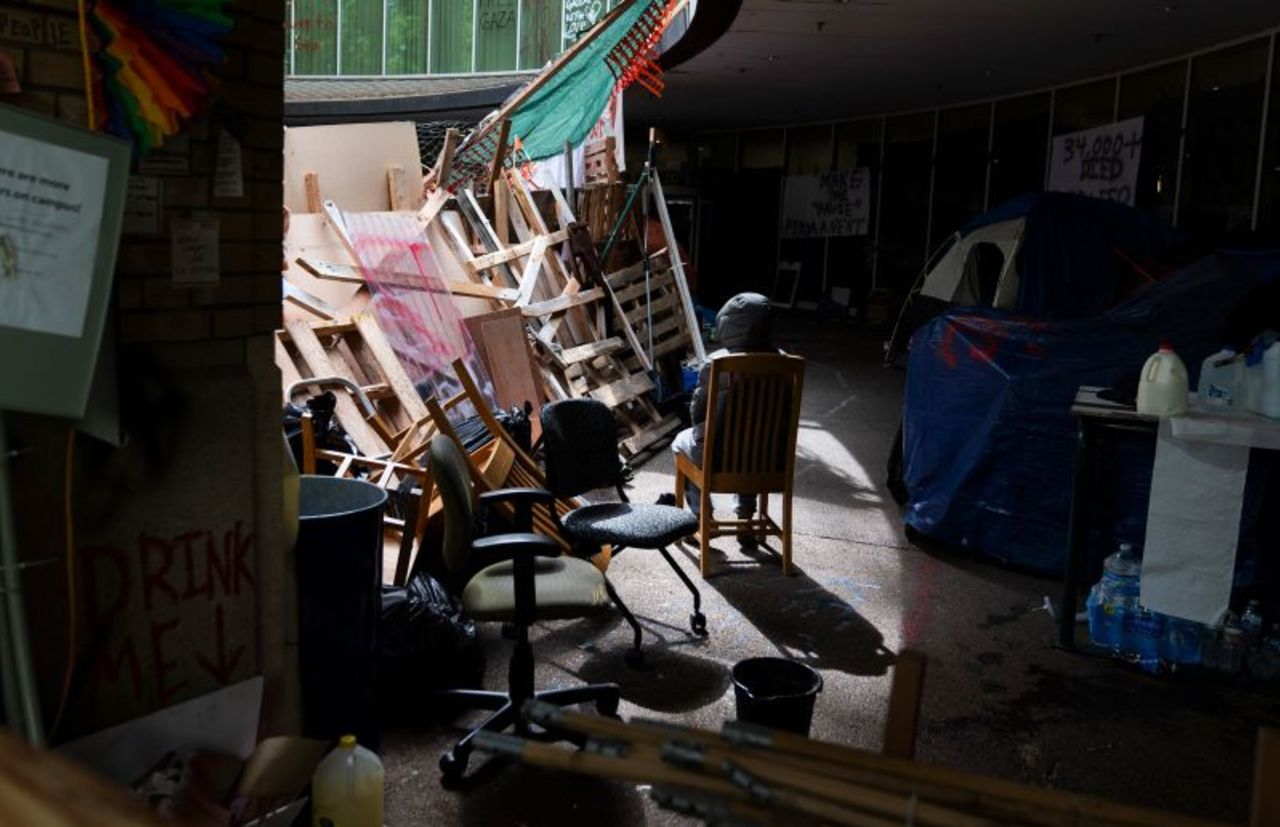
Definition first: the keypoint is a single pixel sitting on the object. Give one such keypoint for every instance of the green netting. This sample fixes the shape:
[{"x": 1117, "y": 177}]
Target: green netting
[{"x": 569, "y": 104}]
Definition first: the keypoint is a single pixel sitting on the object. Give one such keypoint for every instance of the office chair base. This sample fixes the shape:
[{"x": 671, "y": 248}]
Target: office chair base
[
  {"x": 505, "y": 713},
  {"x": 698, "y": 623}
]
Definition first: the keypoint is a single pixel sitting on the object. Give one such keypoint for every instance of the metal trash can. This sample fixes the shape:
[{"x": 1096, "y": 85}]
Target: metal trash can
[
  {"x": 776, "y": 693},
  {"x": 339, "y": 572}
]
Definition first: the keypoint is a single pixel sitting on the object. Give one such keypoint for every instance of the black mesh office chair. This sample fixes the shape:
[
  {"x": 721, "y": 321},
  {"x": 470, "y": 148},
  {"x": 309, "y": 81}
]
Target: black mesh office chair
[
  {"x": 526, "y": 579},
  {"x": 580, "y": 440}
]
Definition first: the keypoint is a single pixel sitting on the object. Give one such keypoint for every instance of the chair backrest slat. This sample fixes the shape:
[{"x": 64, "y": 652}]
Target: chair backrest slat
[{"x": 752, "y": 418}]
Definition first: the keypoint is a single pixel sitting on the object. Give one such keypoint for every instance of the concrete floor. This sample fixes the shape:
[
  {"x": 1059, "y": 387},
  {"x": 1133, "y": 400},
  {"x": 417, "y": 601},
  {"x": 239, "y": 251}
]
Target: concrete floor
[{"x": 998, "y": 698}]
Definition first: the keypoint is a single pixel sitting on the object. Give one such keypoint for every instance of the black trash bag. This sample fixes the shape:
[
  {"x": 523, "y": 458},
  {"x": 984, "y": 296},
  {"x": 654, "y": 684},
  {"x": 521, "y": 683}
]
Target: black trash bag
[
  {"x": 426, "y": 644},
  {"x": 329, "y": 433}
]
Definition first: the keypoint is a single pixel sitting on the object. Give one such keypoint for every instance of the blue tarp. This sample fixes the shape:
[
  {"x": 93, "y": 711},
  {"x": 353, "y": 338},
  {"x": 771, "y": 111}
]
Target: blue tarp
[{"x": 989, "y": 441}]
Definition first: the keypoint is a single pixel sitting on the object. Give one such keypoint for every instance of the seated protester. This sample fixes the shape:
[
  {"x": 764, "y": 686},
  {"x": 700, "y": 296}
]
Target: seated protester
[{"x": 743, "y": 327}]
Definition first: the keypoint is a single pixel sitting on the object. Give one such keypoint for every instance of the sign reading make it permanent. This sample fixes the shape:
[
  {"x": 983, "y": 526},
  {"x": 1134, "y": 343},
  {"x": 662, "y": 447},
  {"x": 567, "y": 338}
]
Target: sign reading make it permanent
[
  {"x": 831, "y": 204},
  {"x": 1101, "y": 162}
]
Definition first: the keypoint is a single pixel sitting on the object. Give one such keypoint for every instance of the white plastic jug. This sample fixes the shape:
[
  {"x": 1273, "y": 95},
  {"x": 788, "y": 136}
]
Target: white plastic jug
[
  {"x": 346, "y": 789},
  {"x": 1221, "y": 380},
  {"x": 1162, "y": 387},
  {"x": 1270, "y": 392}
]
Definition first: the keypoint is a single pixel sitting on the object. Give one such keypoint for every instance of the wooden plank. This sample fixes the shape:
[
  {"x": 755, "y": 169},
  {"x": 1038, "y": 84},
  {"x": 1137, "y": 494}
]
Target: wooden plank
[
  {"x": 904, "y": 705},
  {"x": 319, "y": 364},
  {"x": 395, "y": 185},
  {"x": 501, "y": 205},
  {"x": 289, "y": 373},
  {"x": 444, "y": 163},
  {"x": 311, "y": 183},
  {"x": 376, "y": 341},
  {"x": 655, "y": 308},
  {"x": 515, "y": 251},
  {"x": 623, "y": 390},
  {"x": 551, "y": 329},
  {"x": 1266, "y": 770},
  {"x": 529, "y": 278},
  {"x": 659, "y": 284},
  {"x": 591, "y": 350},
  {"x": 562, "y": 303},
  {"x": 330, "y": 270},
  {"x": 312, "y": 304},
  {"x": 677, "y": 267},
  {"x": 495, "y": 167}
]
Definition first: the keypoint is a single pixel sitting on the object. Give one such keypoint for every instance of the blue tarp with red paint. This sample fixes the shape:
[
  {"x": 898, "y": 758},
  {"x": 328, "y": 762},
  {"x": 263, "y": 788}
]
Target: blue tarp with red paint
[{"x": 989, "y": 440}]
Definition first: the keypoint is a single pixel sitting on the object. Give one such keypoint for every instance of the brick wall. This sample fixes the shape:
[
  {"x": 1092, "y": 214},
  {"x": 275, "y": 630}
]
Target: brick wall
[
  {"x": 42, "y": 38},
  {"x": 200, "y": 404}
]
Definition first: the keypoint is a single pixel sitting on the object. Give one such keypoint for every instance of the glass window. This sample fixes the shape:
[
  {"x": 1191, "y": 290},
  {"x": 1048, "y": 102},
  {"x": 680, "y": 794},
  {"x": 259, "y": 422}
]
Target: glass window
[
  {"x": 760, "y": 149},
  {"x": 960, "y": 172},
  {"x": 451, "y": 32},
  {"x": 851, "y": 259},
  {"x": 315, "y": 37},
  {"x": 904, "y": 207},
  {"x": 1269, "y": 193},
  {"x": 1018, "y": 147},
  {"x": 1084, "y": 106},
  {"x": 808, "y": 150},
  {"x": 496, "y": 36},
  {"x": 1224, "y": 123},
  {"x": 406, "y": 37},
  {"x": 539, "y": 32},
  {"x": 1156, "y": 94},
  {"x": 716, "y": 151},
  {"x": 361, "y": 37}
]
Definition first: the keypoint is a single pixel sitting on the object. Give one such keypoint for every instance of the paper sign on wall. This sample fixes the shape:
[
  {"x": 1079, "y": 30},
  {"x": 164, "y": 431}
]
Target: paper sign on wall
[
  {"x": 194, "y": 251},
  {"x": 51, "y": 203},
  {"x": 172, "y": 158},
  {"x": 228, "y": 176},
  {"x": 831, "y": 204},
  {"x": 1100, "y": 162},
  {"x": 142, "y": 206}
]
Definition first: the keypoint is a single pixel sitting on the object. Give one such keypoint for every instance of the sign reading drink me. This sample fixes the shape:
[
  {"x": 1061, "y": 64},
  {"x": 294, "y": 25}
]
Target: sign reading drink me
[{"x": 831, "y": 204}]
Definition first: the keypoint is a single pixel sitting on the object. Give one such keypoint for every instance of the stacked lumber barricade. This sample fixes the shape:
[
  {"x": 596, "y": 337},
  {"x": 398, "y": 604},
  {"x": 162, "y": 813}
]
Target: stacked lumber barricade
[{"x": 515, "y": 261}]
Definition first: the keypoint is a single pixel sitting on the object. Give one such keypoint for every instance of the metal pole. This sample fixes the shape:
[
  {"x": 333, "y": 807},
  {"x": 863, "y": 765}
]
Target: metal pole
[{"x": 27, "y": 709}]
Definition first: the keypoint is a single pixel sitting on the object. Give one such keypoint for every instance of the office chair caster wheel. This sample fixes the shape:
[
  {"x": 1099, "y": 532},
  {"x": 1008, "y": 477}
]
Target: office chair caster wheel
[
  {"x": 607, "y": 706},
  {"x": 451, "y": 768},
  {"x": 698, "y": 623},
  {"x": 634, "y": 658}
]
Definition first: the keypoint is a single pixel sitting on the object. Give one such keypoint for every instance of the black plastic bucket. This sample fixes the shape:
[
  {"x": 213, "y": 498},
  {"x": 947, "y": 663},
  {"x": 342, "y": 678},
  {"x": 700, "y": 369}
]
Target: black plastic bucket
[
  {"x": 339, "y": 569},
  {"x": 776, "y": 693}
]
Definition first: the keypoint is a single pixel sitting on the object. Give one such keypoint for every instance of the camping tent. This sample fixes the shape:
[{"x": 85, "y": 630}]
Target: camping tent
[{"x": 1048, "y": 256}]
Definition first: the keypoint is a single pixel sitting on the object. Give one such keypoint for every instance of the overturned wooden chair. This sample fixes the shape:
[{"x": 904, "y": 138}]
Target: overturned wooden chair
[{"x": 749, "y": 446}]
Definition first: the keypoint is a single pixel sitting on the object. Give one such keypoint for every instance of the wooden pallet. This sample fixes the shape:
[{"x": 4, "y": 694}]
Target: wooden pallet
[
  {"x": 651, "y": 316},
  {"x": 357, "y": 350}
]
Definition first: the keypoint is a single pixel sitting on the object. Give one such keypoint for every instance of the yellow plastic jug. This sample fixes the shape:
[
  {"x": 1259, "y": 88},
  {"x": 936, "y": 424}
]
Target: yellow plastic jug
[{"x": 346, "y": 789}]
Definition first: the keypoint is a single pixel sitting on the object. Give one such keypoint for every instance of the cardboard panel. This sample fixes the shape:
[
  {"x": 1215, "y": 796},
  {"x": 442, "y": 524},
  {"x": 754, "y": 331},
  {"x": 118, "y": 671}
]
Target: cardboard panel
[{"x": 351, "y": 163}]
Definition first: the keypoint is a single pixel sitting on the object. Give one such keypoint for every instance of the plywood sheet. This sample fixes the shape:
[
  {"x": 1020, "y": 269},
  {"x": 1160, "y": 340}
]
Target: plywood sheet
[
  {"x": 309, "y": 237},
  {"x": 351, "y": 162},
  {"x": 503, "y": 344}
]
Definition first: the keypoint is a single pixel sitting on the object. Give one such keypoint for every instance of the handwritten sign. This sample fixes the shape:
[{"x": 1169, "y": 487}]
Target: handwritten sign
[
  {"x": 142, "y": 206},
  {"x": 1100, "y": 162},
  {"x": 51, "y": 209},
  {"x": 579, "y": 17},
  {"x": 194, "y": 251},
  {"x": 832, "y": 204}
]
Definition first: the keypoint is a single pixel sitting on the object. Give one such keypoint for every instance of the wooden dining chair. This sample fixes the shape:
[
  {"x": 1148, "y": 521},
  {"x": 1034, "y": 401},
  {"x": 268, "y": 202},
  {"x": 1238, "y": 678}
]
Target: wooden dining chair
[{"x": 749, "y": 446}]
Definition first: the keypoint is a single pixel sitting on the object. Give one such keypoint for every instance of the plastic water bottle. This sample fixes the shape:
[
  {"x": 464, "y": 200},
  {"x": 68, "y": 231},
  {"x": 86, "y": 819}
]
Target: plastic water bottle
[
  {"x": 347, "y": 787},
  {"x": 1221, "y": 377},
  {"x": 1251, "y": 624},
  {"x": 1114, "y": 598},
  {"x": 1253, "y": 380}
]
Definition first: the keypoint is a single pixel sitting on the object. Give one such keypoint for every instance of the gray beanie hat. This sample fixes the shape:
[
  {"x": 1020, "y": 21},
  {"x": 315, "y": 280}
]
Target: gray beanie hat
[{"x": 743, "y": 322}]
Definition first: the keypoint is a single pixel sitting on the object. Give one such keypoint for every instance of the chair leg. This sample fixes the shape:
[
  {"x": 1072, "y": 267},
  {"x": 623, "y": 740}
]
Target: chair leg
[
  {"x": 634, "y": 656},
  {"x": 787, "y": 568},
  {"x": 704, "y": 538},
  {"x": 604, "y": 695},
  {"x": 697, "y": 620},
  {"x": 679, "y": 486},
  {"x": 454, "y": 762}
]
